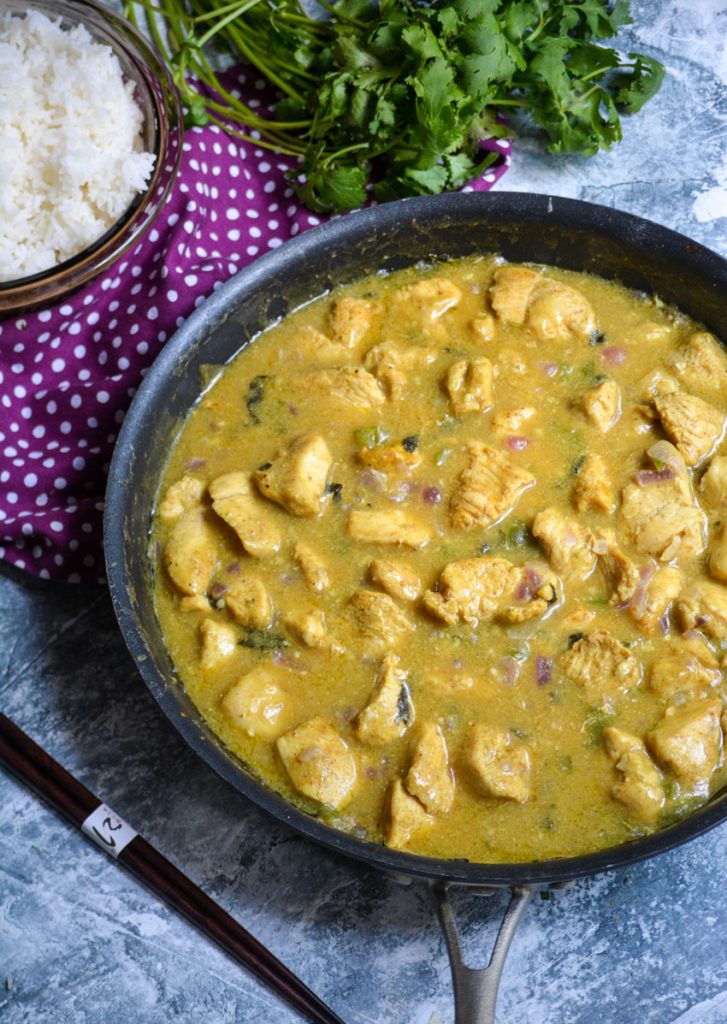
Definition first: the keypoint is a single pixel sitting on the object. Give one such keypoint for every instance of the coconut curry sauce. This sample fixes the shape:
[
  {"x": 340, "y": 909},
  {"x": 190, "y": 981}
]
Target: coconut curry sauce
[{"x": 443, "y": 560}]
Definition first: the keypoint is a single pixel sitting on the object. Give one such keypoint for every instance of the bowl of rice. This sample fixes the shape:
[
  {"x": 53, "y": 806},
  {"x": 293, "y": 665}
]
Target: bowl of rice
[{"x": 90, "y": 144}]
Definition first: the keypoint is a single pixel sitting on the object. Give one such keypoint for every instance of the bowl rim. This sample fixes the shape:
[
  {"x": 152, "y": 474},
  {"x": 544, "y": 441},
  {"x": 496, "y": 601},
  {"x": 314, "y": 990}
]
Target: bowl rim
[
  {"x": 141, "y": 414},
  {"x": 45, "y": 287}
]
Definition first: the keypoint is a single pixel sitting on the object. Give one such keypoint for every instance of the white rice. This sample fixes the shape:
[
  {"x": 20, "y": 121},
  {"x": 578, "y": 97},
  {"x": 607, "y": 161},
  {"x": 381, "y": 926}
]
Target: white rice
[{"x": 70, "y": 143}]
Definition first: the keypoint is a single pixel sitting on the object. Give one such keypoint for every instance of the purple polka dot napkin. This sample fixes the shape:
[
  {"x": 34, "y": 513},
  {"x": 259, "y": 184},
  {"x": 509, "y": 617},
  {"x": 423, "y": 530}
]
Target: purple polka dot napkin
[{"x": 68, "y": 373}]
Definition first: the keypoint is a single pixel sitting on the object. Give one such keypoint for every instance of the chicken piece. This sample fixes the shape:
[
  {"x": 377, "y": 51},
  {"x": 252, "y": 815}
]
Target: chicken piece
[
  {"x": 190, "y": 553},
  {"x": 688, "y": 742},
  {"x": 601, "y": 665},
  {"x": 194, "y": 603},
  {"x": 510, "y": 293},
  {"x": 297, "y": 478},
  {"x": 394, "y": 366},
  {"x": 309, "y": 625},
  {"x": 602, "y": 405},
  {"x": 219, "y": 641},
  {"x": 185, "y": 494},
  {"x": 640, "y": 788},
  {"x": 718, "y": 554},
  {"x": 350, "y": 385},
  {"x": 713, "y": 485},
  {"x": 393, "y": 458},
  {"x": 319, "y": 763},
  {"x": 578, "y": 618},
  {"x": 483, "y": 327},
  {"x": 702, "y": 364},
  {"x": 703, "y": 606},
  {"x": 557, "y": 312},
  {"x": 592, "y": 491},
  {"x": 260, "y": 702},
  {"x": 650, "y": 333},
  {"x": 351, "y": 319},
  {"x": 692, "y": 424},
  {"x": 314, "y": 347},
  {"x": 233, "y": 501},
  {"x": 430, "y": 778},
  {"x": 660, "y": 513},
  {"x": 397, "y": 578},
  {"x": 487, "y": 488},
  {"x": 498, "y": 767},
  {"x": 469, "y": 386},
  {"x": 249, "y": 601},
  {"x": 536, "y": 590},
  {"x": 378, "y": 617},
  {"x": 509, "y": 421},
  {"x": 568, "y": 544},
  {"x": 621, "y": 575},
  {"x": 430, "y": 298},
  {"x": 470, "y": 590},
  {"x": 476, "y": 590},
  {"x": 688, "y": 668},
  {"x": 652, "y": 601},
  {"x": 390, "y": 711},
  {"x": 405, "y": 816},
  {"x": 388, "y": 526},
  {"x": 314, "y": 567}
]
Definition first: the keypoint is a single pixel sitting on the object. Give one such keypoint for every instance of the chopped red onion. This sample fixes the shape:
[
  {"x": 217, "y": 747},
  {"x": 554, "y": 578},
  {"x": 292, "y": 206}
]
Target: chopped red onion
[
  {"x": 510, "y": 671},
  {"x": 549, "y": 369},
  {"x": 217, "y": 590},
  {"x": 431, "y": 495},
  {"x": 529, "y": 583},
  {"x": 663, "y": 621},
  {"x": 644, "y": 477},
  {"x": 195, "y": 464},
  {"x": 543, "y": 670},
  {"x": 372, "y": 480},
  {"x": 400, "y": 493},
  {"x": 457, "y": 663},
  {"x": 234, "y": 568},
  {"x": 517, "y": 444},
  {"x": 664, "y": 452},
  {"x": 614, "y": 355}
]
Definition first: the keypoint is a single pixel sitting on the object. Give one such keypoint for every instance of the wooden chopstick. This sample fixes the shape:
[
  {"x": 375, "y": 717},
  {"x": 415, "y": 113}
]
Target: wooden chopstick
[{"x": 38, "y": 770}]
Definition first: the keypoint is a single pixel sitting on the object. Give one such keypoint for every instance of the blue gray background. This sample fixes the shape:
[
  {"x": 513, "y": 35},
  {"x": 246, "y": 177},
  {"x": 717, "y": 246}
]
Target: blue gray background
[{"x": 81, "y": 941}]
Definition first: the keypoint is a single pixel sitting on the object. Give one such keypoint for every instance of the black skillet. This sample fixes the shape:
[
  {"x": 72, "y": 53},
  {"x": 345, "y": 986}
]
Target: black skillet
[{"x": 542, "y": 229}]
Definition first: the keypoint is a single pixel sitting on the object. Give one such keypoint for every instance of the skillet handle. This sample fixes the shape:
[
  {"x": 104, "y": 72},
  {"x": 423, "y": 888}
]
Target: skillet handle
[{"x": 475, "y": 989}]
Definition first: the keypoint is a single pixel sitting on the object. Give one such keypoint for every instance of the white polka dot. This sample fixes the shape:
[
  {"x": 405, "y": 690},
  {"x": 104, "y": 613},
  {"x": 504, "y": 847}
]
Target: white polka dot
[
  {"x": 58, "y": 365},
  {"x": 103, "y": 397},
  {"x": 30, "y": 480},
  {"x": 60, "y": 483},
  {"x": 75, "y": 328}
]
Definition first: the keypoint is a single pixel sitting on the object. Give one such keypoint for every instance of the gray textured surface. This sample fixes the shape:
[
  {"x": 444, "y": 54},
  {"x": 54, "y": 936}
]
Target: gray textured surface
[{"x": 81, "y": 941}]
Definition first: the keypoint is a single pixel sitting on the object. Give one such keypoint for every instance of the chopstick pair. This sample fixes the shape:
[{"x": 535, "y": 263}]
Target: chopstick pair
[{"x": 38, "y": 770}]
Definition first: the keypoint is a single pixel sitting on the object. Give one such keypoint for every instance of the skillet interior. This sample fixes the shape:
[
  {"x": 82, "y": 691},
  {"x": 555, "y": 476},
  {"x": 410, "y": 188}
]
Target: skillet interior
[{"x": 571, "y": 234}]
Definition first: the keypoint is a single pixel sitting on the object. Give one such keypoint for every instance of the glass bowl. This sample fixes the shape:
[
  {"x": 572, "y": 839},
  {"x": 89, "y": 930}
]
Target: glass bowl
[{"x": 157, "y": 97}]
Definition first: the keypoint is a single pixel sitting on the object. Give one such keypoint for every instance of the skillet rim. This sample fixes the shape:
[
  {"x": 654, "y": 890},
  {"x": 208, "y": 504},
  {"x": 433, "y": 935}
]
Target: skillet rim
[{"x": 634, "y": 232}]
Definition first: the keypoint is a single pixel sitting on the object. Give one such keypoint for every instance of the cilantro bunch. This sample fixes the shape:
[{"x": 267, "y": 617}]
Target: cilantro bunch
[{"x": 401, "y": 93}]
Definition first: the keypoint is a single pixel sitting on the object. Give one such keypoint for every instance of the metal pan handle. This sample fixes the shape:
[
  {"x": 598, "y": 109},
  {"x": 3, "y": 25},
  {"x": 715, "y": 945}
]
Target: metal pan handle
[{"x": 475, "y": 989}]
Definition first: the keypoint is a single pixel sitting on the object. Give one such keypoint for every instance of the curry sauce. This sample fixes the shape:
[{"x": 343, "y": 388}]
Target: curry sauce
[{"x": 443, "y": 560}]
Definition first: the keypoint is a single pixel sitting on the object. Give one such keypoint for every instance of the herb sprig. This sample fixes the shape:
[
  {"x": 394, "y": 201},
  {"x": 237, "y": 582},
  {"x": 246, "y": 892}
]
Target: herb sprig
[{"x": 403, "y": 92}]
